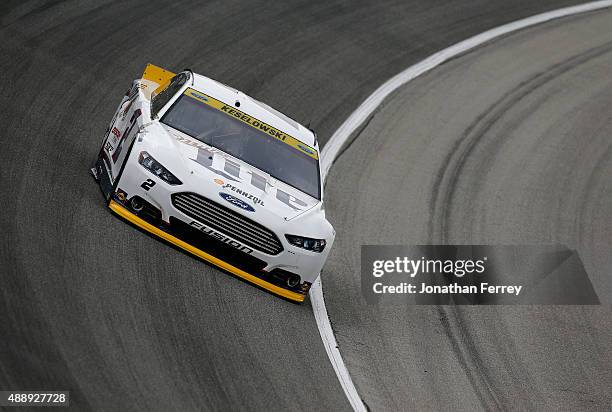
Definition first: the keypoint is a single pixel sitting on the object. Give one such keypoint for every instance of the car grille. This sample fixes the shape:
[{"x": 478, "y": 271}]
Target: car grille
[
  {"x": 227, "y": 222},
  {"x": 215, "y": 247}
]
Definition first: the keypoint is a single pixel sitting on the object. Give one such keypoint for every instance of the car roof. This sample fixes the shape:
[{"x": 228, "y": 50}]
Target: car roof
[{"x": 254, "y": 107}]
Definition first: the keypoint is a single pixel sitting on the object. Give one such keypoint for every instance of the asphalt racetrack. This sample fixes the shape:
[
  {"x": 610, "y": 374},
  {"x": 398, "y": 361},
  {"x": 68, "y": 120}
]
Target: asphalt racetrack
[
  {"x": 92, "y": 305},
  {"x": 508, "y": 144}
]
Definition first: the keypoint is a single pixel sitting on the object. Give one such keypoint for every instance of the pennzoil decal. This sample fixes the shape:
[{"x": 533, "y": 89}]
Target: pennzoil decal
[
  {"x": 253, "y": 122},
  {"x": 255, "y": 199}
]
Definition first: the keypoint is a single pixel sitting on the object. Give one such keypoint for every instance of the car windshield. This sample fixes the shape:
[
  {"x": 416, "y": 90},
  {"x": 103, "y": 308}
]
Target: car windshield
[{"x": 244, "y": 137}]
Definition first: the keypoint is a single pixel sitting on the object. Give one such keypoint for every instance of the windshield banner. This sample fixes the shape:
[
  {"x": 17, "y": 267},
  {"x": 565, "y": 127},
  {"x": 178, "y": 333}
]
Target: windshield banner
[{"x": 253, "y": 122}]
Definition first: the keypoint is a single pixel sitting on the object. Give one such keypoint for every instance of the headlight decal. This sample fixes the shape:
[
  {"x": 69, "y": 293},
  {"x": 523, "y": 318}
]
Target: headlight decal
[
  {"x": 314, "y": 245},
  {"x": 153, "y": 166}
]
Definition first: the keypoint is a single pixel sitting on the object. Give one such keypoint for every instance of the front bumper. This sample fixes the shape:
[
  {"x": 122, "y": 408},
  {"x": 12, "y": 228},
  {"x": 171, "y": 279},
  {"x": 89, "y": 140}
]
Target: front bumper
[{"x": 170, "y": 235}]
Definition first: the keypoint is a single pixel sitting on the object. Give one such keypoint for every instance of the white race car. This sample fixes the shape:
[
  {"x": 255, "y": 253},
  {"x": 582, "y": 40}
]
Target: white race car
[{"x": 220, "y": 175}]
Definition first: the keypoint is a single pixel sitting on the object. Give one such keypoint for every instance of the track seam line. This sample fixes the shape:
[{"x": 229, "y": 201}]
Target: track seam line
[{"x": 362, "y": 113}]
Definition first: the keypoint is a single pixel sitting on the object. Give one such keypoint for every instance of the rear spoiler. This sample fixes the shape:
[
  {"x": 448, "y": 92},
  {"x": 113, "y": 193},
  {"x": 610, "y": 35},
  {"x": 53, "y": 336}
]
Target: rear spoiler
[{"x": 157, "y": 75}]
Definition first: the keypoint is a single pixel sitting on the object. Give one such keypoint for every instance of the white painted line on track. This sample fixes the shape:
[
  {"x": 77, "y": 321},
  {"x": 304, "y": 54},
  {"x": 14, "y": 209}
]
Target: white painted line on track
[
  {"x": 362, "y": 113},
  {"x": 331, "y": 346},
  {"x": 365, "y": 110}
]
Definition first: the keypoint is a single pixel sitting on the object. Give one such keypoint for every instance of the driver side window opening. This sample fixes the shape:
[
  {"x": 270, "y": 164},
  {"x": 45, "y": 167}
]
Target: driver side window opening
[{"x": 158, "y": 101}]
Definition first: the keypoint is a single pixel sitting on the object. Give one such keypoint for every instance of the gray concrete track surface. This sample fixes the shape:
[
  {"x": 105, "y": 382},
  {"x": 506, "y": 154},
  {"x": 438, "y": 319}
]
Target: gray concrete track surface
[
  {"x": 508, "y": 144},
  {"x": 88, "y": 303}
]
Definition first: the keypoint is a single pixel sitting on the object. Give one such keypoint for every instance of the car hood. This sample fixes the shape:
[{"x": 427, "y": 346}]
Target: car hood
[{"x": 225, "y": 179}]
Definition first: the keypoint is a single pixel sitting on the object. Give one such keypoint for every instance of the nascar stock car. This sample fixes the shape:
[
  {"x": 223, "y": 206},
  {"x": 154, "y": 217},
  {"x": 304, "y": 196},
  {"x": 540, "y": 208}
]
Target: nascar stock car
[{"x": 222, "y": 176}]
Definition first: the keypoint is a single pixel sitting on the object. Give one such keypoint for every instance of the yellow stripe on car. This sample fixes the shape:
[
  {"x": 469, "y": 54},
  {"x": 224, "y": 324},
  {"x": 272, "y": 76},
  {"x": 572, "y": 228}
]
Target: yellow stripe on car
[
  {"x": 253, "y": 122},
  {"x": 126, "y": 214}
]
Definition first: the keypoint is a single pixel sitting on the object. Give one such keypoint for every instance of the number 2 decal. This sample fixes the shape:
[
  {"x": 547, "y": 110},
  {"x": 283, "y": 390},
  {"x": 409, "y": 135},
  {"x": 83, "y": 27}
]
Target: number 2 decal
[{"x": 147, "y": 184}]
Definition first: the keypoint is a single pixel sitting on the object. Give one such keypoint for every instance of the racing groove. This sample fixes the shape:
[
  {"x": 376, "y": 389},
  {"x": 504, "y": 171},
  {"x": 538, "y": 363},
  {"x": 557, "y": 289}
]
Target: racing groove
[
  {"x": 508, "y": 144},
  {"x": 90, "y": 304}
]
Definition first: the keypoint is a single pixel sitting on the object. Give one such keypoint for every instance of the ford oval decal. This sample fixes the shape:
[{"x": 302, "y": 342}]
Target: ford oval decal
[
  {"x": 306, "y": 149},
  {"x": 199, "y": 96},
  {"x": 236, "y": 202}
]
